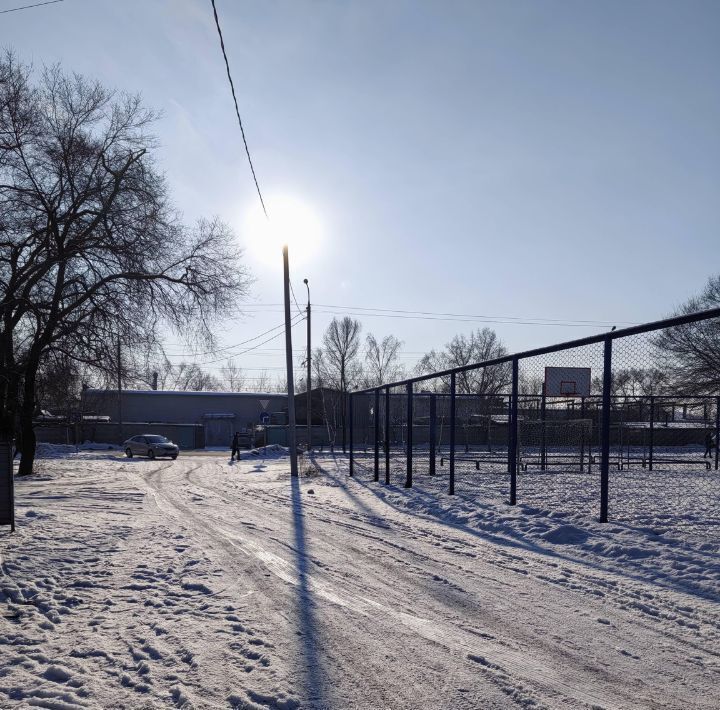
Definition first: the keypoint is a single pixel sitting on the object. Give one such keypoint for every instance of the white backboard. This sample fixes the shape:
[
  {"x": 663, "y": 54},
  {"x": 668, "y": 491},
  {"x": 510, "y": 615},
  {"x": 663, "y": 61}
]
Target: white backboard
[{"x": 567, "y": 381}]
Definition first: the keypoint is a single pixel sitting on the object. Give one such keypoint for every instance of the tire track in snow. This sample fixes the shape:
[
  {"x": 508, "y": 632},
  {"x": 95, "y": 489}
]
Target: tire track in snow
[{"x": 507, "y": 663}]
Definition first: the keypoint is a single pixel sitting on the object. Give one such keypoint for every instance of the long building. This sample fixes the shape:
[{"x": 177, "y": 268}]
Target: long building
[{"x": 218, "y": 413}]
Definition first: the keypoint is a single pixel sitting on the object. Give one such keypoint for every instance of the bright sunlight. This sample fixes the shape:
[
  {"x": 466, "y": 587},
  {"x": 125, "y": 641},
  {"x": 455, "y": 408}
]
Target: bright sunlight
[{"x": 291, "y": 221}]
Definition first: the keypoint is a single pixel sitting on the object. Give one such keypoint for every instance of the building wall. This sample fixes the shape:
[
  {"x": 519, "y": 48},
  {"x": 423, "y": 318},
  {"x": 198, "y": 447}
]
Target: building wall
[
  {"x": 186, "y": 436},
  {"x": 182, "y": 407}
]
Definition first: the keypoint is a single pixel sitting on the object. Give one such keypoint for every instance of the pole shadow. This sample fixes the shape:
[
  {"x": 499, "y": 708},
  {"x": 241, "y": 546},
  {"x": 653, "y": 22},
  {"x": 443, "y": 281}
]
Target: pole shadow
[{"x": 316, "y": 688}]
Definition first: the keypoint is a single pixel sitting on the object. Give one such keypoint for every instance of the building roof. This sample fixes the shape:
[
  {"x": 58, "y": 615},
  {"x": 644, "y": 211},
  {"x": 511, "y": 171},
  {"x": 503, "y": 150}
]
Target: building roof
[{"x": 190, "y": 393}]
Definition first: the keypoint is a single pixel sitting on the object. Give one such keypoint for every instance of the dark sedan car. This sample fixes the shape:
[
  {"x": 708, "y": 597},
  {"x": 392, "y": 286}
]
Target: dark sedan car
[{"x": 150, "y": 445}]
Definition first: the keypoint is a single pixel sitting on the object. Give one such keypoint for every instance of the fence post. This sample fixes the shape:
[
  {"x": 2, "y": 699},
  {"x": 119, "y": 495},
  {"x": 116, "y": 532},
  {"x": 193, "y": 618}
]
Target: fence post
[
  {"x": 543, "y": 435},
  {"x": 433, "y": 427},
  {"x": 387, "y": 436},
  {"x": 605, "y": 430},
  {"x": 513, "y": 433},
  {"x": 344, "y": 420},
  {"x": 717, "y": 432},
  {"x": 350, "y": 416},
  {"x": 376, "y": 413},
  {"x": 582, "y": 437},
  {"x": 451, "y": 489},
  {"x": 409, "y": 437},
  {"x": 652, "y": 433}
]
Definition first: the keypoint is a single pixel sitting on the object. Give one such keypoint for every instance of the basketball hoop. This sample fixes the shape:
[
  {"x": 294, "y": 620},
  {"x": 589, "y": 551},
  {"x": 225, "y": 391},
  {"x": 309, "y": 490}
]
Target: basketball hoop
[{"x": 567, "y": 381}]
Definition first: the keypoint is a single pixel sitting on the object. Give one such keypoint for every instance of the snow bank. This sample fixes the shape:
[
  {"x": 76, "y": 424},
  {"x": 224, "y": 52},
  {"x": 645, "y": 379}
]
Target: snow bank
[
  {"x": 271, "y": 451},
  {"x": 85, "y": 450}
]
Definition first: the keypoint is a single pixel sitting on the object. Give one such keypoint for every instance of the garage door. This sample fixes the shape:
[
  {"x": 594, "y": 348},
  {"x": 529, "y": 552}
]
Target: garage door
[{"x": 218, "y": 432}]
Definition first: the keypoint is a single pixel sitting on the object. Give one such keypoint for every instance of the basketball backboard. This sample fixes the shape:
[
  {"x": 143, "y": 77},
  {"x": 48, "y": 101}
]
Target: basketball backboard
[{"x": 567, "y": 381}]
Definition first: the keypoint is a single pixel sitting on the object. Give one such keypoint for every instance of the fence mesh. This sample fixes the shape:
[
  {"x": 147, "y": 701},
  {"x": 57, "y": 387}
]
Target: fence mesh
[
  {"x": 641, "y": 448},
  {"x": 663, "y": 468},
  {"x": 431, "y": 421},
  {"x": 362, "y": 415},
  {"x": 559, "y": 411}
]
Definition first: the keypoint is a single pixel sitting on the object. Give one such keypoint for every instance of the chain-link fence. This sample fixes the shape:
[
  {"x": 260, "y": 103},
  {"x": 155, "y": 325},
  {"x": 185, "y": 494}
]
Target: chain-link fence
[{"x": 622, "y": 426}]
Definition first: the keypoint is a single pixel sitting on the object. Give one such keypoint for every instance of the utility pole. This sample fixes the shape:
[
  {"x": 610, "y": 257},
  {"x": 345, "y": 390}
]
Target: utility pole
[
  {"x": 309, "y": 383},
  {"x": 119, "y": 386},
  {"x": 289, "y": 362}
]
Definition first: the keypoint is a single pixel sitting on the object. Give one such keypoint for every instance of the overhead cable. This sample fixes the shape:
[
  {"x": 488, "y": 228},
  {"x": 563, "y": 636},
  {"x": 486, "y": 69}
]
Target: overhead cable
[
  {"x": 298, "y": 319},
  {"x": 237, "y": 109},
  {"x": 27, "y": 7}
]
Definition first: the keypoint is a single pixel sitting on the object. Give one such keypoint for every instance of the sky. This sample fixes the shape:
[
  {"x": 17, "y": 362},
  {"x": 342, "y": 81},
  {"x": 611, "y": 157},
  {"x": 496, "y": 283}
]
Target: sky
[{"x": 548, "y": 168}]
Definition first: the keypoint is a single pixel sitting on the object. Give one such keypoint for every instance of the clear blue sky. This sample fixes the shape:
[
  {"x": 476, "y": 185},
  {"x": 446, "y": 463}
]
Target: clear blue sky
[{"x": 512, "y": 158}]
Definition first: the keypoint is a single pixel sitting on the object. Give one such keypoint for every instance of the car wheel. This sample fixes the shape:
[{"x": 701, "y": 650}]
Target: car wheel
[
  {"x": 174, "y": 457},
  {"x": 151, "y": 454},
  {"x": 128, "y": 452}
]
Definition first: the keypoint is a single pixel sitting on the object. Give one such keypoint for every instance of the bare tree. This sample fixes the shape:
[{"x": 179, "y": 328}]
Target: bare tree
[
  {"x": 330, "y": 396},
  {"x": 161, "y": 371},
  {"x": 530, "y": 384},
  {"x": 262, "y": 382},
  {"x": 279, "y": 384},
  {"x": 341, "y": 369},
  {"x": 90, "y": 247},
  {"x": 381, "y": 360},
  {"x": 59, "y": 384},
  {"x": 690, "y": 354},
  {"x": 234, "y": 378},
  {"x": 189, "y": 376},
  {"x": 341, "y": 343},
  {"x": 483, "y": 344}
]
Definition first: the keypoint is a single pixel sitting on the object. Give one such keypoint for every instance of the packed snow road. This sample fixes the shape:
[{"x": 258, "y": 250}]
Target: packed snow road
[{"x": 200, "y": 583}]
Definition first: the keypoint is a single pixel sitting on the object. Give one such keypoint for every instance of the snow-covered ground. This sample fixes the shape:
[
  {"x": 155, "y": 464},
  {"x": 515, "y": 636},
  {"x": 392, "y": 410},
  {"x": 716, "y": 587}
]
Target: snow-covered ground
[
  {"x": 679, "y": 497},
  {"x": 201, "y": 583}
]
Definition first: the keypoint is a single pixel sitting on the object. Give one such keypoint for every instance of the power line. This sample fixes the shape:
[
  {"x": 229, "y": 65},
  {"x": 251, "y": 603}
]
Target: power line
[
  {"x": 277, "y": 335},
  {"x": 229, "y": 347},
  {"x": 459, "y": 318},
  {"x": 466, "y": 315},
  {"x": 237, "y": 109},
  {"x": 471, "y": 319},
  {"x": 297, "y": 368},
  {"x": 27, "y": 7},
  {"x": 254, "y": 347},
  {"x": 433, "y": 315},
  {"x": 292, "y": 290}
]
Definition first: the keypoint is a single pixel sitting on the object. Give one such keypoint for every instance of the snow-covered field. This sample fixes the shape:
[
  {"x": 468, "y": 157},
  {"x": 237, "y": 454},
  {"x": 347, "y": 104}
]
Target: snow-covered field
[
  {"x": 680, "y": 496},
  {"x": 200, "y": 583}
]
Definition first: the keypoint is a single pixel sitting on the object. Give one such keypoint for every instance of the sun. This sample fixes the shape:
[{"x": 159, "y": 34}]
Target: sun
[{"x": 290, "y": 221}]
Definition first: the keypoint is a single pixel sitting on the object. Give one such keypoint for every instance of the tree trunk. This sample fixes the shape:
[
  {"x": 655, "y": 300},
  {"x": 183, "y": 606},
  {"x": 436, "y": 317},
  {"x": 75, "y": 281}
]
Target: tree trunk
[
  {"x": 27, "y": 433},
  {"x": 7, "y": 413},
  {"x": 8, "y": 388}
]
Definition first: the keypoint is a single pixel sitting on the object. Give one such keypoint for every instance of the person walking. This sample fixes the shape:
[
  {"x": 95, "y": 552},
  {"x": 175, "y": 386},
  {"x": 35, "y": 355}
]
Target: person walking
[
  {"x": 710, "y": 443},
  {"x": 235, "y": 446}
]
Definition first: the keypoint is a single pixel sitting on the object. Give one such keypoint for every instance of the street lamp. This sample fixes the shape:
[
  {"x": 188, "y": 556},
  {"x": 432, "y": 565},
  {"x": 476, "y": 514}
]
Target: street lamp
[
  {"x": 289, "y": 361},
  {"x": 309, "y": 387}
]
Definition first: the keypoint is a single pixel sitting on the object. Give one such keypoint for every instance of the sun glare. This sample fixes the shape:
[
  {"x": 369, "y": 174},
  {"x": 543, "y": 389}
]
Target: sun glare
[{"x": 291, "y": 221}]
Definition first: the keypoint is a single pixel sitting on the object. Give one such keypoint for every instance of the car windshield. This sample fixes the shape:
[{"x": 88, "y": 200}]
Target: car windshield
[{"x": 157, "y": 440}]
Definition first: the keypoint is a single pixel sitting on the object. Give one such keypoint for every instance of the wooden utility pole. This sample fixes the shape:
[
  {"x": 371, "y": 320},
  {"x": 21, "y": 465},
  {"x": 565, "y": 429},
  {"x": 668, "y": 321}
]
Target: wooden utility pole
[
  {"x": 292, "y": 445},
  {"x": 309, "y": 383}
]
